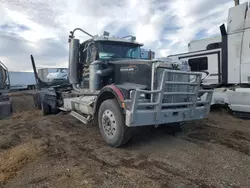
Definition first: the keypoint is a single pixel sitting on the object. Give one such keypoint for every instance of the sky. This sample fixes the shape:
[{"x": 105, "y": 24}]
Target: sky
[{"x": 41, "y": 27}]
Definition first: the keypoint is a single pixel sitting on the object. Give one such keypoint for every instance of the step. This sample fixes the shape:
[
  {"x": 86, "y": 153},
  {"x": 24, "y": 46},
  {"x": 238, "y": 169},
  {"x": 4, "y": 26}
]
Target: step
[{"x": 80, "y": 117}]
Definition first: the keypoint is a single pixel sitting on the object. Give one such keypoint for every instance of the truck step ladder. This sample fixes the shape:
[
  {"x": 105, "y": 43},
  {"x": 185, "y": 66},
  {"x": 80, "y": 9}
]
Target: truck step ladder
[{"x": 80, "y": 117}]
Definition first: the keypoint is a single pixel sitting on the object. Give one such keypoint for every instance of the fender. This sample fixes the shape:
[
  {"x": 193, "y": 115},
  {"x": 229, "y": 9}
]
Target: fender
[
  {"x": 48, "y": 95},
  {"x": 109, "y": 92},
  {"x": 115, "y": 90}
]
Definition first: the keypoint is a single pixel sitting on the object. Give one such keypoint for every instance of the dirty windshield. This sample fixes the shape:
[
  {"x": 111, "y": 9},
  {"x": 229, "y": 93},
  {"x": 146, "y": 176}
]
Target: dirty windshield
[{"x": 110, "y": 50}]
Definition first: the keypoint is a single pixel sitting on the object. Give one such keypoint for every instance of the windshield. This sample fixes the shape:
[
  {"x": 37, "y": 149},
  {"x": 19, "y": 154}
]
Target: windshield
[{"x": 108, "y": 50}]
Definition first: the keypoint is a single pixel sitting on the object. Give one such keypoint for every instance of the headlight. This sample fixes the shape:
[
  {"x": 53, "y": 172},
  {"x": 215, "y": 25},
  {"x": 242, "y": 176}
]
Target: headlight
[{"x": 132, "y": 93}]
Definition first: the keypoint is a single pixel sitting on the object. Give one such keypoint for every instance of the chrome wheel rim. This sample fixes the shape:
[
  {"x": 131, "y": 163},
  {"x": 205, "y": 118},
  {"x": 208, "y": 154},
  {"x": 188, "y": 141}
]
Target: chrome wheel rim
[{"x": 109, "y": 123}]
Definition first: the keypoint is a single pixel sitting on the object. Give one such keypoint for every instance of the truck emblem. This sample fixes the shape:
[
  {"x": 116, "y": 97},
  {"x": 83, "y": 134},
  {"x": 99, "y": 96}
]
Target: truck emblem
[
  {"x": 129, "y": 69},
  {"x": 175, "y": 66}
]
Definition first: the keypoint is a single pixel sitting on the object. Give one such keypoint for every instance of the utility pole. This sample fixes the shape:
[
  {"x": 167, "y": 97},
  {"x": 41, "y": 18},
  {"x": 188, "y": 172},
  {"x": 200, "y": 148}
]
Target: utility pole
[{"x": 236, "y": 2}]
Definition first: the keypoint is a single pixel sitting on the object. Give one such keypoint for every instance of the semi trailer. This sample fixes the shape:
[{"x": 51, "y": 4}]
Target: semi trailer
[
  {"x": 27, "y": 80},
  {"x": 22, "y": 81},
  {"x": 225, "y": 61},
  {"x": 110, "y": 85}
]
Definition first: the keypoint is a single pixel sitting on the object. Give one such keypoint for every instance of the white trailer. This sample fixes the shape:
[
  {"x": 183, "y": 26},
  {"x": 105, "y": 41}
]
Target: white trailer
[
  {"x": 225, "y": 61},
  {"x": 22, "y": 80},
  {"x": 197, "y": 45}
]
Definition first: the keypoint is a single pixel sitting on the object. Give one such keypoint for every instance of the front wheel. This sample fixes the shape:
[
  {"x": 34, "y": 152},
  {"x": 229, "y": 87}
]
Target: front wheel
[{"x": 112, "y": 124}]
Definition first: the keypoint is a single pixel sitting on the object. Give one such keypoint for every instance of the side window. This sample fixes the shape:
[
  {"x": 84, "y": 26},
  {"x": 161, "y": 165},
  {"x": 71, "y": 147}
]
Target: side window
[
  {"x": 133, "y": 53},
  {"x": 130, "y": 53},
  {"x": 198, "y": 64}
]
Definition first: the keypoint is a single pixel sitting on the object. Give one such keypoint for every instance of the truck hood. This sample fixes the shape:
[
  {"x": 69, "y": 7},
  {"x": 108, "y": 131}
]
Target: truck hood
[{"x": 130, "y": 61}]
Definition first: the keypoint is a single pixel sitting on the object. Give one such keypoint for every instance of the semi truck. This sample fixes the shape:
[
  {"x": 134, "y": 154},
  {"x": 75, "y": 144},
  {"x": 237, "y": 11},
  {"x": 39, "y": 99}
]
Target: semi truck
[
  {"x": 225, "y": 61},
  {"x": 110, "y": 85},
  {"x": 5, "y": 101}
]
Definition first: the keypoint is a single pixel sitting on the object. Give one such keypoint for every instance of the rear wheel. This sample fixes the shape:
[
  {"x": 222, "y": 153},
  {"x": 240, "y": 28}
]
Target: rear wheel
[{"x": 112, "y": 124}]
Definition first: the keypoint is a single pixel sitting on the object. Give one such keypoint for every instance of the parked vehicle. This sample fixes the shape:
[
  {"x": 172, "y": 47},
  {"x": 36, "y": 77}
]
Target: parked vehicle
[
  {"x": 225, "y": 61},
  {"x": 147, "y": 54},
  {"x": 5, "y": 101},
  {"x": 51, "y": 74}
]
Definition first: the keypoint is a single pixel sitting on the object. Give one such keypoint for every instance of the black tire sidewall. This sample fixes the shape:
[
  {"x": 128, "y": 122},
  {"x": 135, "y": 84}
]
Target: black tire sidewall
[{"x": 120, "y": 132}]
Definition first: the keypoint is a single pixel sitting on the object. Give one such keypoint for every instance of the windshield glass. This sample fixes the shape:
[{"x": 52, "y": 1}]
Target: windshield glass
[{"x": 108, "y": 50}]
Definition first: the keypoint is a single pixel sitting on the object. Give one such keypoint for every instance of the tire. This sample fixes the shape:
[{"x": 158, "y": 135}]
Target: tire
[
  {"x": 46, "y": 109},
  {"x": 111, "y": 122}
]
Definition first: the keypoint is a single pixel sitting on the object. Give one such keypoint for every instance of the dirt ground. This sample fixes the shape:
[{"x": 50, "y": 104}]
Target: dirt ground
[{"x": 59, "y": 151}]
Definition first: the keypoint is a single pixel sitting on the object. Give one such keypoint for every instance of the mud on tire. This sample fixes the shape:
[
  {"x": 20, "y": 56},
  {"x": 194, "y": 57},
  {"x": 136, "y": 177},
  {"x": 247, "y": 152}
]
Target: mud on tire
[{"x": 111, "y": 122}]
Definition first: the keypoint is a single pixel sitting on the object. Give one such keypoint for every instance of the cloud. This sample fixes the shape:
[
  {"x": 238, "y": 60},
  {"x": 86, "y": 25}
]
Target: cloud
[
  {"x": 15, "y": 52},
  {"x": 41, "y": 27}
]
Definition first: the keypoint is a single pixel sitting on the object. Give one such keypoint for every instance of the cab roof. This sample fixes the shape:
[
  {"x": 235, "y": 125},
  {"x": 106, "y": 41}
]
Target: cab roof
[{"x": 115, "y": 39}]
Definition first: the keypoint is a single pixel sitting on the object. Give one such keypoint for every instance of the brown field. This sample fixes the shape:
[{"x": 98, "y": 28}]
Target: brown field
[{"x": 59, "y": 151}]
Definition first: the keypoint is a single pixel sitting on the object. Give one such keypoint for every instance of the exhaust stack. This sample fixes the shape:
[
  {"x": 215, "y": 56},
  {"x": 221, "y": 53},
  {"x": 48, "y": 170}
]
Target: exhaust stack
[
  {"x": 236, "y": 2},
  {"x": 73, "y": 61}
]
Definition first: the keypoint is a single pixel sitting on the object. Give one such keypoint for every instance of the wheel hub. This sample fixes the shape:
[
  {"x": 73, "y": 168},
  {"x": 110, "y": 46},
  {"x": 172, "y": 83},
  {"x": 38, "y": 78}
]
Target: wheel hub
[{"x": 109, "y": 123}]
